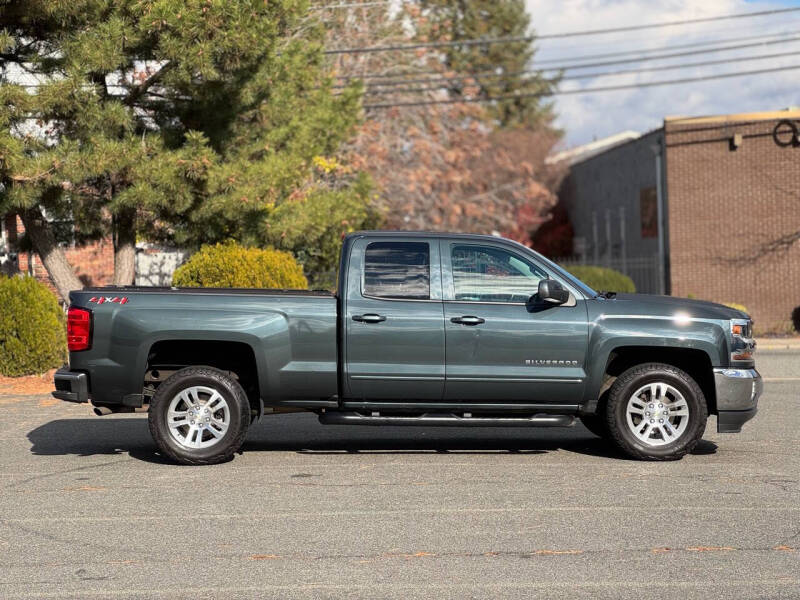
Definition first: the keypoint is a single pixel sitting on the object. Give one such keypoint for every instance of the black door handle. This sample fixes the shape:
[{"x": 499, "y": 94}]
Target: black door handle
[
  {"x": 467, "y": 320},
  {"x": 370, "y": 318}
]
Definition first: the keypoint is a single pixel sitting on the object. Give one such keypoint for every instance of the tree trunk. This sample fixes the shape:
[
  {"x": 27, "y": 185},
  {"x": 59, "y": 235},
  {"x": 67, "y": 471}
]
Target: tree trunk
[
  {"x": 125, "y": 247},
  {"x": 52, "y": 255}
]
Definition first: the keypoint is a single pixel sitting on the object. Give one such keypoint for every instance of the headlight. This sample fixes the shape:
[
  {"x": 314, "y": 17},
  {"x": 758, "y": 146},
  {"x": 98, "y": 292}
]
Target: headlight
[{"x": 742, "y": 344}]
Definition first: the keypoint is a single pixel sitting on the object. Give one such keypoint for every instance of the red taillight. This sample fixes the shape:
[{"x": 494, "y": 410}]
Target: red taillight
[{"x": 79, "y": 325}]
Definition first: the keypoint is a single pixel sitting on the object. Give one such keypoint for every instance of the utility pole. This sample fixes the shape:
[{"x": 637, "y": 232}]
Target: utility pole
[
  {"x": 622, "y": 241},
  {"x": 656, "y": 148}
]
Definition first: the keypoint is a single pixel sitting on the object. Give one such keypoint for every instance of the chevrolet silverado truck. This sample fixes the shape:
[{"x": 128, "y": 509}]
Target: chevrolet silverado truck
[{"x": 425, "y": 329}]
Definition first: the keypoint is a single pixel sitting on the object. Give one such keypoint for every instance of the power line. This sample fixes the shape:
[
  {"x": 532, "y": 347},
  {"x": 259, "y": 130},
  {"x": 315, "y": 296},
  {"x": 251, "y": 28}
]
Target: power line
[
  {"x": 703, "y": 63},
  {"x": 668, "y": 23},
  {"x": 767, "y": 41},
  {"x": 608, "y": 88},
  {"x": 353, "y": 5},
  {"x": 508, "y": 78},
  {"x": 670, "y": 47},
  {"x": 498, "y": 78},
  {"x": 567, "y": 67},
  {"x": 531, "y": 38},
  {"x": 412, "y": 90},
  {"x": 397, "y": 85},
  {"x": 606, "y": 63}
]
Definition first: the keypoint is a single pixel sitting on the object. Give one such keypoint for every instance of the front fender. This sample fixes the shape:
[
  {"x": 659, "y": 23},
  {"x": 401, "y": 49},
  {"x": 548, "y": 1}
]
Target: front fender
[{"x": 610, "y": 333}]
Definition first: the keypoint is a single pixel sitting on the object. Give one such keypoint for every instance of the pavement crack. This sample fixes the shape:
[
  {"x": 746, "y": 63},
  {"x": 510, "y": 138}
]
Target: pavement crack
[{"x": 57, "y": 473}]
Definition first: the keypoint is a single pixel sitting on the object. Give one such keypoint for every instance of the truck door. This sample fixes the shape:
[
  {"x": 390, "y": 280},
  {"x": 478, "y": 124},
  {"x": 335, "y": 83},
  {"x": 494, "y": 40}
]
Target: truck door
[
  {"x": 499, "y": 349},
  {"x": 393, "y": 320}
]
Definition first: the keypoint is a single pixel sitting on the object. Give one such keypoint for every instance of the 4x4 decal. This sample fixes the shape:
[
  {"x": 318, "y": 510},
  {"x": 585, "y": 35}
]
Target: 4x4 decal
[{"x": 104, "y": 299}]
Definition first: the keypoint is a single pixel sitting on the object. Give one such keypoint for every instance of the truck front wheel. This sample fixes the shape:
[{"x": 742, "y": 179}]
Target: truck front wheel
[
  {"x": 199, "y": 416},
  {"x": 656, "y": 412}
]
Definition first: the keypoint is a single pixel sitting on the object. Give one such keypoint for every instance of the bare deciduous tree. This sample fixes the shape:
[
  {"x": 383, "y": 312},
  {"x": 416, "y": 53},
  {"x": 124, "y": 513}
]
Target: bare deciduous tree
[{"x": 439, "y": 166}]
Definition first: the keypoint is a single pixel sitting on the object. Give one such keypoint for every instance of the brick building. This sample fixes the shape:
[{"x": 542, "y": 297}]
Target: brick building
[
  {"x": 610, "y": 194},
  {"x": 93, "y": 263},
  {"x": 708, "y": 200}
]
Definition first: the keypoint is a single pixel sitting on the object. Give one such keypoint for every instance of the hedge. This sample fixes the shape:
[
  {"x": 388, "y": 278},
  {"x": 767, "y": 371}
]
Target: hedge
[
  {"x": 33, "y": 335},
  {"x": 735, "y": 306},
  {"x": 234, "y": 266},
  {"x": 603, "y": 279}
]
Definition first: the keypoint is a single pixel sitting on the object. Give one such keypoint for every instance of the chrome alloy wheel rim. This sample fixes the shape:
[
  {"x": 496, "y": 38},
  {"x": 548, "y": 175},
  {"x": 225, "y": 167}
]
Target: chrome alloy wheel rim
[
  {"x": 657, "y": 414},
  {"x": 198, "y": 417}
]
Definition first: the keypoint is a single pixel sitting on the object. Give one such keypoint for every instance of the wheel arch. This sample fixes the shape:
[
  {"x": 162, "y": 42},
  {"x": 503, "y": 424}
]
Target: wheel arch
[
  {"x": 695, "y": 362},
  {"x": 239, "y": 358}
]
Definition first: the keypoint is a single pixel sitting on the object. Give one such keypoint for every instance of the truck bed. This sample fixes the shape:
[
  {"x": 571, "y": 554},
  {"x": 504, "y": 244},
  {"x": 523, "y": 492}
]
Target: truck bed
[{"x": 291, "y": 335}]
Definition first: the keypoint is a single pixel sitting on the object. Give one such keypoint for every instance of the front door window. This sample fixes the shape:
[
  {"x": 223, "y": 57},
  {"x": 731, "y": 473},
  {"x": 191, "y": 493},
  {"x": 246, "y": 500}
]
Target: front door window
[{"x": 487, "y": 274}]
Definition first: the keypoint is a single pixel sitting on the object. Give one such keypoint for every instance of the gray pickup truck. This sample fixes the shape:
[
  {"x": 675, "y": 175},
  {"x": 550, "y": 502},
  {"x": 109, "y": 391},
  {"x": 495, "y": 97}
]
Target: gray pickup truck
[{"x": 426, "y": 329}]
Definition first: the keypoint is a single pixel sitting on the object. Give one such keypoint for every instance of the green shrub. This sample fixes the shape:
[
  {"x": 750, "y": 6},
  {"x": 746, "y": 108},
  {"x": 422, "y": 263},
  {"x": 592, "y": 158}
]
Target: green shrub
[
  {"x": 234, "y": 266},
  {"x": 33, "y": 335},
  {"x": 603, "y": 279},
  {"x": 735, "y": 306}
]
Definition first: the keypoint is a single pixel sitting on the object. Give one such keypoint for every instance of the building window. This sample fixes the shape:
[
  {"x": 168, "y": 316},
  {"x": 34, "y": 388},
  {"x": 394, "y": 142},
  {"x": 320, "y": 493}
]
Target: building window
[
  {"x": 648, "y": 209},
  {"x": 398, "y": 270}
]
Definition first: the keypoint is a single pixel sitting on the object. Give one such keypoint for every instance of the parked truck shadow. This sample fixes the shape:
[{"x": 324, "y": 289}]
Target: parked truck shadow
[{"x": 301, "y": 433}]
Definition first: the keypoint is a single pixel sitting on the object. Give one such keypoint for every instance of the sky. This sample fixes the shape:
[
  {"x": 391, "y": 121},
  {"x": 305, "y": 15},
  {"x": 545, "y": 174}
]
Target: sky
[{"x": 585, "y": 117}]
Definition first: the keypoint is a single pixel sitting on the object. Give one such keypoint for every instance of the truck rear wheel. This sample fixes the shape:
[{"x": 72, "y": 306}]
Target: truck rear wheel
[
  {"x": 656, "y": 412},
  {"x": 199, "y": 416}
]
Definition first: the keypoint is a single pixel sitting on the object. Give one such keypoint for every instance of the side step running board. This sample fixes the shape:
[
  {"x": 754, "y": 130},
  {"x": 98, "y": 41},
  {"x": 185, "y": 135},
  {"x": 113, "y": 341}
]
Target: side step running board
[{"x": 451, "y": 420}]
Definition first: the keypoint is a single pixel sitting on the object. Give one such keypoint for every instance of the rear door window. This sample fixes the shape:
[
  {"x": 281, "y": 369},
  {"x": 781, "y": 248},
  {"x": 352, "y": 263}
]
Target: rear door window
[{"x": 397, "y": 270}]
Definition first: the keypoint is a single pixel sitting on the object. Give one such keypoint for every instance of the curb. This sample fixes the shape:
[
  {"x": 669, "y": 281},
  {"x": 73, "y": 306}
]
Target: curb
[{"x": 792, "y": 343}]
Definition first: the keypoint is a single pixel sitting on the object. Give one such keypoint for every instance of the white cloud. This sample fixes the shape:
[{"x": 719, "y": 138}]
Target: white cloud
[{"x": 596, "y": 115}]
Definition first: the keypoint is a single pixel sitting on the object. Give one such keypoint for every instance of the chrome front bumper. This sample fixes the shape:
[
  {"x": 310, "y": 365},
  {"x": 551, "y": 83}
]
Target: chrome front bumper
[{"x": 738, "y": 391}]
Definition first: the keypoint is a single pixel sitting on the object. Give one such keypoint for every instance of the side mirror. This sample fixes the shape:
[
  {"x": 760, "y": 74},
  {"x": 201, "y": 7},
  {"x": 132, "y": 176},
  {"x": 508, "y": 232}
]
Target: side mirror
[{"x": 551, "y": 292}]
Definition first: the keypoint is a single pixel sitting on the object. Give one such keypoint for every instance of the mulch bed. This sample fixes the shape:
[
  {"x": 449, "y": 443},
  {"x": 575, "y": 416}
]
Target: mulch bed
[{"x": 27, "y": 385}]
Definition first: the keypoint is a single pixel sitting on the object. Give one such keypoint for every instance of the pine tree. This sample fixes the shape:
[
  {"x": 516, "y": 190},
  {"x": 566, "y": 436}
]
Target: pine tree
[
  {"x": 190, "y": 121},
  {"x": 499, "y": 69}
]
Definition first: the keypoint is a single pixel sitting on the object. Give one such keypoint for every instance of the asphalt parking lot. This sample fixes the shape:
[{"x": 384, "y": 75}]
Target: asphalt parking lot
[{"x": 88, "y": 509}]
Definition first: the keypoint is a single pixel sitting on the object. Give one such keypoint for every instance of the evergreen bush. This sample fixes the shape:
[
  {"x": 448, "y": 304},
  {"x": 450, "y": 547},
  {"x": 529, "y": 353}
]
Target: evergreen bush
[
  {"x": 230, "y": 265},
  {"x": 735, "y": 306},
  {"x": 603, "y": 279},
  {"x": 33, "y": 335}
]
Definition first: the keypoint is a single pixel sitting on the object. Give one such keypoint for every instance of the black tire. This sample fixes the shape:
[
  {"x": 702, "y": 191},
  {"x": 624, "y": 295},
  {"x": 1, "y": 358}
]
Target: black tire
[
  {"x": 232, "y": 393},
  {"x": 633, "y": 379}
]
